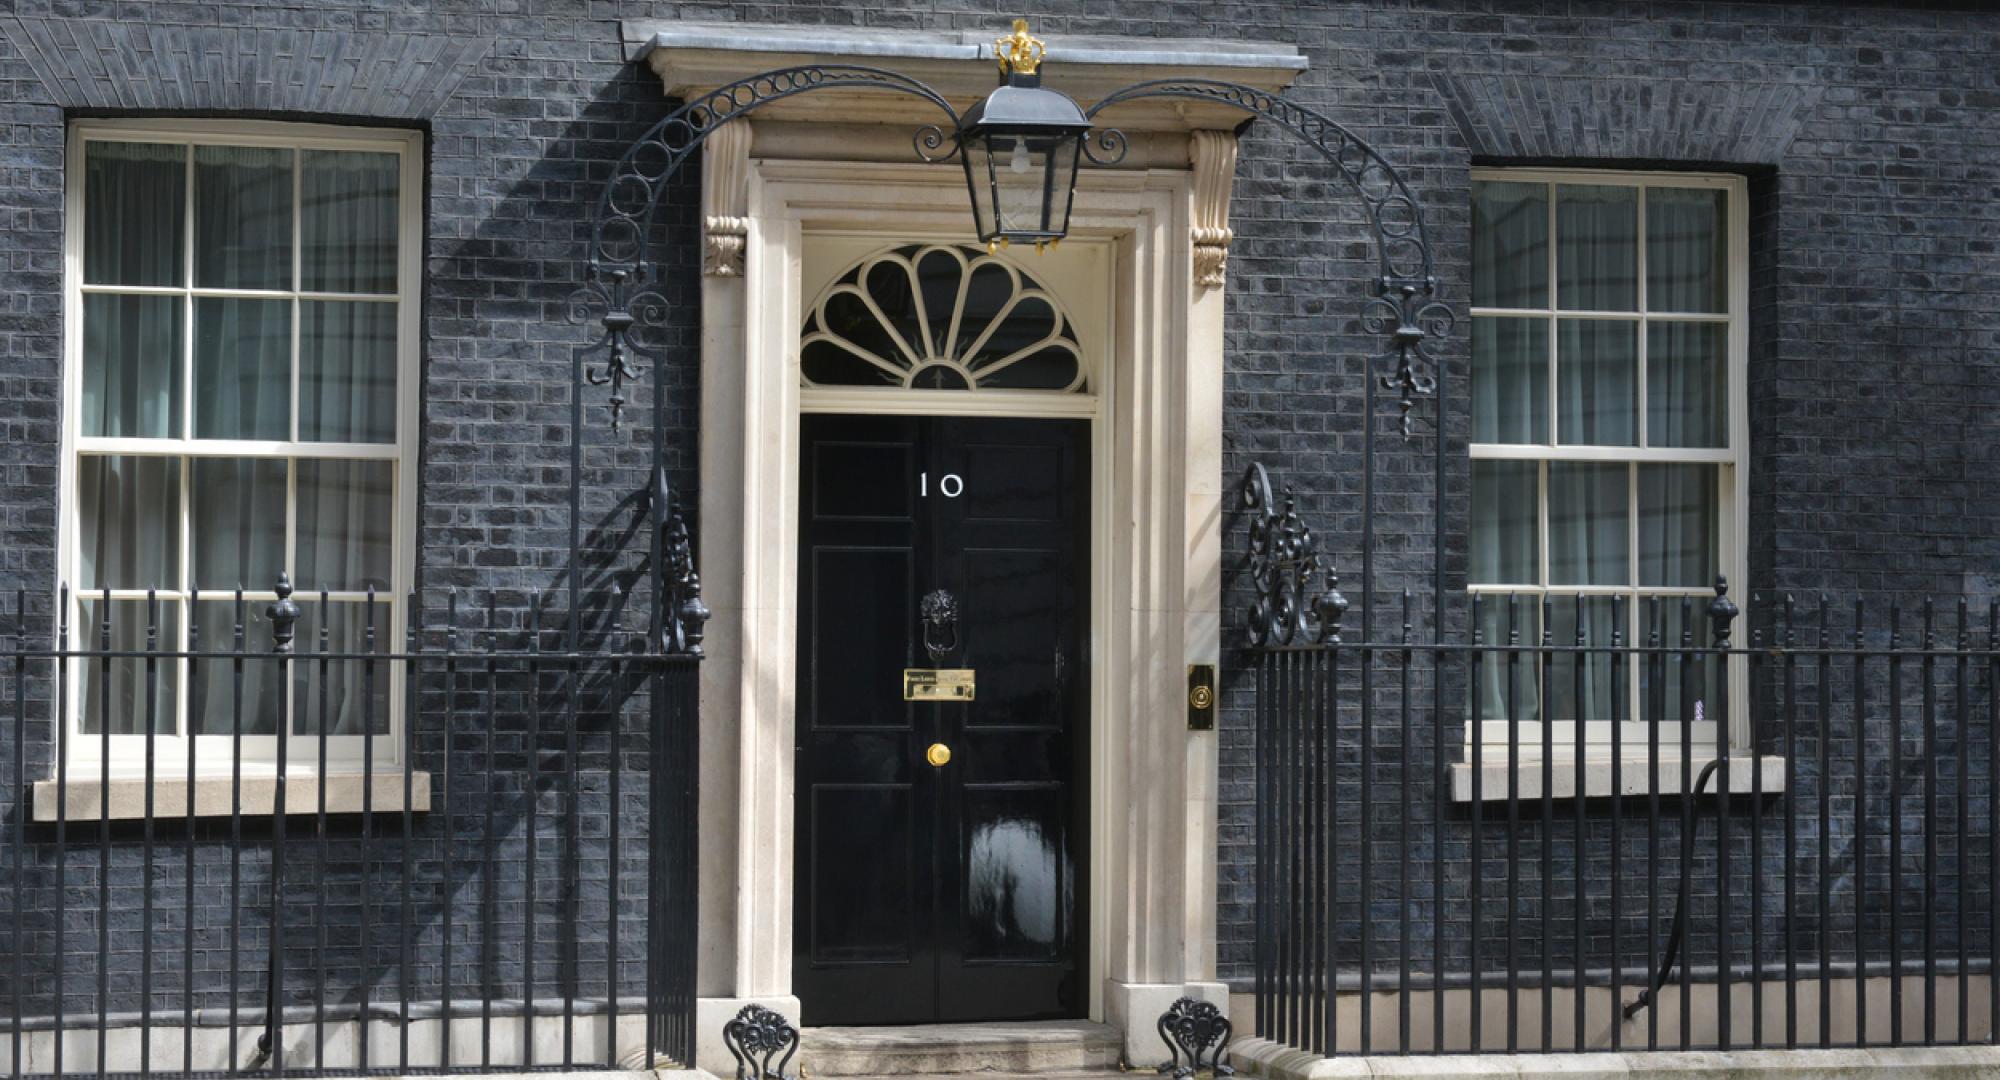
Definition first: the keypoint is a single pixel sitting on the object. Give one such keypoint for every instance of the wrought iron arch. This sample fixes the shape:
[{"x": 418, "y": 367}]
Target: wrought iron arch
[
  {"x": 621, "y": 293},
  {"x": 621, "y": 229},
  {"x": 1405, "y": 307}
]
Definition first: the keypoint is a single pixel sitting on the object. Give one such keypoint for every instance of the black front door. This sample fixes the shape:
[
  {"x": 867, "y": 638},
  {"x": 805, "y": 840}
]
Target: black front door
[{"x": 932, "y": 893}]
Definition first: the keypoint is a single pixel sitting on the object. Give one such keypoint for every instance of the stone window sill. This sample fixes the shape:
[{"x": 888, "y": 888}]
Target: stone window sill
[
  {"x": 1598, "y": 778},
  {"x": 214, "y": 795}
]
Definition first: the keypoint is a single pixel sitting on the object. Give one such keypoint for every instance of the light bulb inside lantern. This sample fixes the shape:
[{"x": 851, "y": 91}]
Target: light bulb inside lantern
[{"x": 1018, "y": 163}]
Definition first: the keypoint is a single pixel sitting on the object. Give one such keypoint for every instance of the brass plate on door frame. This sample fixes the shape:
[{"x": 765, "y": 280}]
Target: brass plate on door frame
[
  {"x": 1201, "y": 697},
  {"x": 937, "y": 684}
]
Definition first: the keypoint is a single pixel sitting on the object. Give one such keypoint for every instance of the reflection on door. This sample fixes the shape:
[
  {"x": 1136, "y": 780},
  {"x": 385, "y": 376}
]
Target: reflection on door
[
  {"x": 941, "y": 843},
  {"x": 1014, "y": 889}
]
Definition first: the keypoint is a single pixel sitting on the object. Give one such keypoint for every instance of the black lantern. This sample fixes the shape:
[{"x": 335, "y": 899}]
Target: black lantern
[{"x": 1020, "y": 148}]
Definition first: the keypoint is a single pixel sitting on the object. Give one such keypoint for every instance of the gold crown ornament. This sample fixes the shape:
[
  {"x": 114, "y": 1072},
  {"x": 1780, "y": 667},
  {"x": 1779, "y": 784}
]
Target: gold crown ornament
[{"x": 1019, "y": 51}]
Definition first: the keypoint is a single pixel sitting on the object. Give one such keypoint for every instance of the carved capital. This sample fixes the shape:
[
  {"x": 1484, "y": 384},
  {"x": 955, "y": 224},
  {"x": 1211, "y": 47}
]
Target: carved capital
[
  {"x": 725, "y": 198},
  {"x": 1212, "y": 154}
]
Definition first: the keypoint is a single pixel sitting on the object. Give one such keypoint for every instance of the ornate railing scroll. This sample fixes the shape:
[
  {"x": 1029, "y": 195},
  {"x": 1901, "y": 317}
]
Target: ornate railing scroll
[
  {"x": 1405, "y": 307},
  {"x": 1284, "y": 559},
  {"x": 757, "y": 1037},
  {"x": 1194, "y": 1030}
]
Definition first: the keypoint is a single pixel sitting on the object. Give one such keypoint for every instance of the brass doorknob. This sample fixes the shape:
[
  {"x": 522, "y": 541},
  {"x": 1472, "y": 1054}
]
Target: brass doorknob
[{"x": 939, "y": 755}]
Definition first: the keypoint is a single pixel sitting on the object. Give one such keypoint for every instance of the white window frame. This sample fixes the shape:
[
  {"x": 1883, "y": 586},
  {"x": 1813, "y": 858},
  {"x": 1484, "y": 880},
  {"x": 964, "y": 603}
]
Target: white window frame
[
  {"x": 1732, "y": 525},
  {"x": 215, "y": 755}
]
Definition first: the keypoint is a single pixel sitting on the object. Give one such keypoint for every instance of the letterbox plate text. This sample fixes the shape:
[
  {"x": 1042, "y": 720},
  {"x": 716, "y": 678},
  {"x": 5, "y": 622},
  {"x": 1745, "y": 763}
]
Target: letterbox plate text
[{"x": 937, "y": 684}]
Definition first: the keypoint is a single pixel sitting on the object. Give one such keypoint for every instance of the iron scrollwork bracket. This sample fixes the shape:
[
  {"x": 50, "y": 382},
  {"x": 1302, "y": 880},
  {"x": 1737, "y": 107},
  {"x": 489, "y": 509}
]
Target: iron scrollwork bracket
[
  {"x": 1194, "y": 1030},
  {"x": 1284, "y": 559},
  {"x": 756, "y": 1037},
  {"x": 621, "y": 303},
  {"x": 1409, "y": 314}
]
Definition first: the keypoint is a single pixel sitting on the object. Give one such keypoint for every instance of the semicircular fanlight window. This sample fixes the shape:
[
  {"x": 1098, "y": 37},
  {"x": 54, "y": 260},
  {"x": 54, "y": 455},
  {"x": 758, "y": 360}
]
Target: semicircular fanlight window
[{"x": 939, "y": 317}]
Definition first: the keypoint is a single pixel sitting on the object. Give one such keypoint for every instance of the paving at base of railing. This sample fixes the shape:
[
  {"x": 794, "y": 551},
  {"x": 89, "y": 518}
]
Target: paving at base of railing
[
  {"x": 479, "y": 1046},
  {"x": 1260, "y": 1057},
  {"x": 1789, "y": 1017}
]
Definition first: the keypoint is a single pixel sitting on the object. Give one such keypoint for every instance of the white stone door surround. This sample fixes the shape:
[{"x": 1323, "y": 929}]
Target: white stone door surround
[{"x": 770, "y": 181}]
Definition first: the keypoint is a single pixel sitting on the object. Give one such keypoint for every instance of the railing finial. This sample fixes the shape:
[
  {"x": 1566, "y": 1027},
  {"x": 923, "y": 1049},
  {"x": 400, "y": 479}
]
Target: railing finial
[
  {"x": 1330, "y": 606},
  {"x": 1722, "y": 611},
  {"x": 284, "y": 615}
]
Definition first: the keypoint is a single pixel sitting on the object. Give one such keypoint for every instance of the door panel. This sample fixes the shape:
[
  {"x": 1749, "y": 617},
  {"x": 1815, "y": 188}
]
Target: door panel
[
  {"x": 862, "y": 917},
  {"x": 851, "y": 486},
  {"x": 1017, "y": 590},
  {"x": 953, "y": 893},
  {"x": 858, "y": 635}
]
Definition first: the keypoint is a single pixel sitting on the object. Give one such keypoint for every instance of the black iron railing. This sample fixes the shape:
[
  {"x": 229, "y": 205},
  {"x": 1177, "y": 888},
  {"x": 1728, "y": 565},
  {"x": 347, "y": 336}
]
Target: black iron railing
[
  {"x": 485, "y": 858},
  {"x": 1789, "y": 841}
]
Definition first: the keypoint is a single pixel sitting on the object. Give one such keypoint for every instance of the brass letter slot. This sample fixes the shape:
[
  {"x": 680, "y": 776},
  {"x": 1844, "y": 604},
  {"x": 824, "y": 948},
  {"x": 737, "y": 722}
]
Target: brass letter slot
[
  {"x": 937, "y": 684},
  {"x": 1201, "y": 697}
]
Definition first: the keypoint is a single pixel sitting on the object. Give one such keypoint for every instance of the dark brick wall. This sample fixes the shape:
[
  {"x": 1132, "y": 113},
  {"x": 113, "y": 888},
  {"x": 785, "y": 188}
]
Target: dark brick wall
[
  {"x": 1867, "y": 131},
  {"x": 1872, "y": 230}
]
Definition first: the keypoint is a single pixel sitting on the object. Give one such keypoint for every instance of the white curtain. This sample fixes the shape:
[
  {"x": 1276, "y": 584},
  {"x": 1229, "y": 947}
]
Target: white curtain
[
  {"x": 1597, "y": 392},
  {"x": 347, "y": 225},
  {"x": 134, "y": 198},
  {"x": 212, "y": 689},
  {"x": 344, "y": 543},
  {"x": 1504, "y": 677},
  {"x": 1510, "y": 245},
  {"x": 347, "y": 371},
  {"x": 1510, "y": 380},
  {"x": 1587, "y": 524},
  {"x": 132, "y": 366},
  {"x": 1687, "y": 394},
  {"x": 242, "y": 217},
  {"x": 349, "y": 208},
  {"x": 1588, "y": 538},
  {"x": 1505, "y": 551},
  {"x": 114, "y": 690},
  {"x": 242, "y": 368},
  {"x": 1597, "y": 248},
  {"x": 237, "y": 515},
  {"x": 1686, "y": 252},
  {"x": 1677, "y": 525},
  {"x": 128, "y": 510}
]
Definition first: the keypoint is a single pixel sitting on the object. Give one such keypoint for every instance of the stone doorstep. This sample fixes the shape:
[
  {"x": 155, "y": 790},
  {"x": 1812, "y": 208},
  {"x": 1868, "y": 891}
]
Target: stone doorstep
[{"x": 1044, "y": 1050}]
